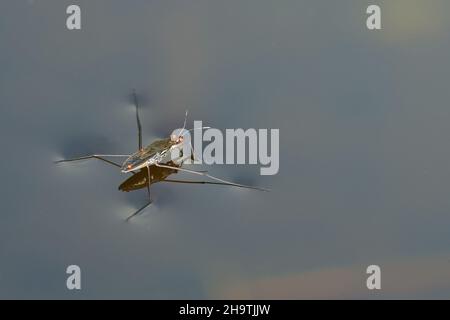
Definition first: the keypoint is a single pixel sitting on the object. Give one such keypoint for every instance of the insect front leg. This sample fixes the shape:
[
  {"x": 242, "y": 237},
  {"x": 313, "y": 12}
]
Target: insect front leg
[{"x": 95, "y": 156}]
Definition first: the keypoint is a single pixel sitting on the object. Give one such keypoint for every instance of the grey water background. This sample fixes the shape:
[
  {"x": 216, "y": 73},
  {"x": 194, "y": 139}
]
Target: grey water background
[{"x": 364, "y": 163}]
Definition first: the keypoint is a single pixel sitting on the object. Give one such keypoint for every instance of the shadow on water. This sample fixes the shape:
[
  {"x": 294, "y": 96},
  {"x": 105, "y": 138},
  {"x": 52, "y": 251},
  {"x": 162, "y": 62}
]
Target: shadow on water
[{"x": 140, "y": 179}]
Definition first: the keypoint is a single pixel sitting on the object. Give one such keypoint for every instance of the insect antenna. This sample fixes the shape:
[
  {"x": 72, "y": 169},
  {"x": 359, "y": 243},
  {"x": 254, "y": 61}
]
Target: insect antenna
[
  {"x": 190, "y": 130},
  {"x": 184, "y": 124}
]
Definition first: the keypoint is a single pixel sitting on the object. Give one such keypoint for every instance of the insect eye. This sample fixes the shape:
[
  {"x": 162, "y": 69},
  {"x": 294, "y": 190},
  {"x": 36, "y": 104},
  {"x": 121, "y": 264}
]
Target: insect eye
[{"x": 180, "y": 139}]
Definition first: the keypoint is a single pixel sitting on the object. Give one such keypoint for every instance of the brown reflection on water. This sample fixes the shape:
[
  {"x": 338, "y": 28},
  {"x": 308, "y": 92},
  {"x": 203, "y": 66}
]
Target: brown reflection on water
[{"x": 139, "y": 180}]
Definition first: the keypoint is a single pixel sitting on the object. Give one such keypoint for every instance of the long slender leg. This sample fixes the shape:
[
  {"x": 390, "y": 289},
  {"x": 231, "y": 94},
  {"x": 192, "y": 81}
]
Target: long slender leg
[
  {"x": 182, "y": 162},
  {"x": 138, "y": 120},
  {"x": 211, "y": 177},
  {"x": 95, "y": 156},
  {"x": 149, "y": 182},
  {"x": 149, "y": 198},
  {"x": 138, "y": 211},
  {"x": 196, "y": 182}
]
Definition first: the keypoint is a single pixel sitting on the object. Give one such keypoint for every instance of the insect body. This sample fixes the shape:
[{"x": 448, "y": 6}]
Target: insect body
[
  {"x": 154, "y": 153},
  {"x": 157, "y": 158}
]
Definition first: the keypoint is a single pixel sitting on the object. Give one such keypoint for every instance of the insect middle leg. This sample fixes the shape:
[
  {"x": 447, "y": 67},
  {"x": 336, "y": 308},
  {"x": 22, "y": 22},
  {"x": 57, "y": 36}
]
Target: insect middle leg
[
  {"x": 138, "y": 211},
  {"x": 148, "y": 185},
  {"x": 149, "y": 198}
]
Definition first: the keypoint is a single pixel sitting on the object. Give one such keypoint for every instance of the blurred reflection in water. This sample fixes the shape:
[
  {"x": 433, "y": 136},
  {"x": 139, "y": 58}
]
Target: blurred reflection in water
[{"x": 140, "y": 179}]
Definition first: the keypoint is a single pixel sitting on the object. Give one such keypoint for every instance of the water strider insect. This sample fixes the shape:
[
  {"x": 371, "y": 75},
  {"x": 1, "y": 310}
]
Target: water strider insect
[{"x": 153, "y": 163}]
